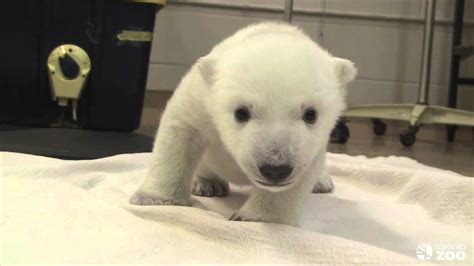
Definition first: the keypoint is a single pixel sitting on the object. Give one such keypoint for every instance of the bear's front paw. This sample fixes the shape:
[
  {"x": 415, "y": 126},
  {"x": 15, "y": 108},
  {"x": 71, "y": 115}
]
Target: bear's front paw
[
  {"x": 324, "y": 185},
  {"x": 143, "y": 198},
  {"x": 210, "y": 187}
]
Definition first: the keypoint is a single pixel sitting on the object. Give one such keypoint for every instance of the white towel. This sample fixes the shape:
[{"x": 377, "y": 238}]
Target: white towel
[{"x": 383, "y": 210}]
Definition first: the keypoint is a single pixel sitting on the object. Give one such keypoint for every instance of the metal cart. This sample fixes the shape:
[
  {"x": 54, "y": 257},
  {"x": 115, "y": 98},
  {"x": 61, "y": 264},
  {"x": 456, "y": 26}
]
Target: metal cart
[{"x": 417, "y": 114}]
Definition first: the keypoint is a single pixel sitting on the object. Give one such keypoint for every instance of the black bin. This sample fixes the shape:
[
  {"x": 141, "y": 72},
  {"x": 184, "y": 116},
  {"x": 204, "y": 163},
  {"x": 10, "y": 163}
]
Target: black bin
[{"x": 113, "y": 96}]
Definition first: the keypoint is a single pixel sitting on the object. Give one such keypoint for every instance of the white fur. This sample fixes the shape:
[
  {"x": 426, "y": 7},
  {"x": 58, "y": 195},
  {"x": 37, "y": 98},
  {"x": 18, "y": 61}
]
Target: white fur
[{"x": 276, "y": 71}]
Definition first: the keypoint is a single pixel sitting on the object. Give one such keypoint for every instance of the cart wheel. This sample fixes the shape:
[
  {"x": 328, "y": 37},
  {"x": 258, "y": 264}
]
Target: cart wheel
[
  {"x": 340, "y": 134},
  {"x": 408, "y": 137},
  {"x": 451, "y": 131},
  {"x": 379, "y": 127}
]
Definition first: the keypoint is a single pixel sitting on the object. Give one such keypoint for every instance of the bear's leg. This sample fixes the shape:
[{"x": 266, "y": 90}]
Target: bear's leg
[
  {"x": 284, "y": 207},
  {"x": 275, "y": 207},
  {"x": 175, "y": 155}
]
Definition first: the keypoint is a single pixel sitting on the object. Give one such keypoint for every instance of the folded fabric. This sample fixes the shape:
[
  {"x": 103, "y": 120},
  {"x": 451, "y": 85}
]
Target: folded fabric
[{"x": 383, "y": 210}]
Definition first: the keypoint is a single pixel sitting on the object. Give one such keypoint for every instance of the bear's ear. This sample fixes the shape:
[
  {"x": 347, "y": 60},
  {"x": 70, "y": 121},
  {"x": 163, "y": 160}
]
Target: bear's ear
[
  {"x": 345, "y": 70},
  {"x": 206, "y": 67}
]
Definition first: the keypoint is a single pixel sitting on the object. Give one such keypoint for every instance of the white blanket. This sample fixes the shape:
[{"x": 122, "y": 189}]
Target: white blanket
[{"x": 56, "y": 211}]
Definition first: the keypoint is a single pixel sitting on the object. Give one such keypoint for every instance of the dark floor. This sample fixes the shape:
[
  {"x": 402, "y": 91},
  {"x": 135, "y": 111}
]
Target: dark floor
[{"x": 431, "y": 147}]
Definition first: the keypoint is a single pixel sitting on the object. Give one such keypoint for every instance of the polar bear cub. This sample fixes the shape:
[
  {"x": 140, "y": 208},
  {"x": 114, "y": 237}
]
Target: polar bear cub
[{"x": 257, "y": 110}]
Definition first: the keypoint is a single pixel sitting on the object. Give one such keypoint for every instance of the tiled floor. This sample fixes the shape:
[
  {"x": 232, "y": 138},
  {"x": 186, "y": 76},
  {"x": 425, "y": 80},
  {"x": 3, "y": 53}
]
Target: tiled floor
[{"x": 431, "y": 147}]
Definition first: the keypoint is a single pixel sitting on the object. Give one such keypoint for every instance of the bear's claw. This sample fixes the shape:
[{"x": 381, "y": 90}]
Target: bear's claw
[
  {"x": 210, "y": 187},
  {"x": 324, "y": 185}
]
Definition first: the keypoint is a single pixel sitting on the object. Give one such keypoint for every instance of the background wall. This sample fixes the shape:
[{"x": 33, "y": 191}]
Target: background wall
[{"x": 382, "y": 37}]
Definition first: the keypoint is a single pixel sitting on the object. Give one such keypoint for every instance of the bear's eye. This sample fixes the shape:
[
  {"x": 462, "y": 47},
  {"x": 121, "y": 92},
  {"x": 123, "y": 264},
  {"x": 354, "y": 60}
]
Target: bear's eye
[
  {"x": 242, "y": 114},
  {"x": 310, "y": 116}
]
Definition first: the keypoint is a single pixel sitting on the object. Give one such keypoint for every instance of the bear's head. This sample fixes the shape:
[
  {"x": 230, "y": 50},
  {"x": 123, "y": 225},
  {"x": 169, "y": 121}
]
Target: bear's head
[{"x": 274, "y": 102}]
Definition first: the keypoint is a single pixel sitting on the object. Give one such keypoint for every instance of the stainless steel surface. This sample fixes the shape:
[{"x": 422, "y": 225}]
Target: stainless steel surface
[
  {"x": 288, "y": 15},
  {"x": 428, "y": 30}
]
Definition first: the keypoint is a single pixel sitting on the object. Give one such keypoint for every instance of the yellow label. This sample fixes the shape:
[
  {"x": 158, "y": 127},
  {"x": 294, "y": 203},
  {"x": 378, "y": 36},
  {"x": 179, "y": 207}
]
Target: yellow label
[{"x": 135, "y": 36}]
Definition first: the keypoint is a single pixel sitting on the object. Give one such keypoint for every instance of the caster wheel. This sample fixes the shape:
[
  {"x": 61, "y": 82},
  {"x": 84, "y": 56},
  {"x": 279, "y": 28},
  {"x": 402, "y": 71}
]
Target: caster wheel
[
  {"x": 379, "y": 127},
  {"x": 408, "y": 137},
  {"x": 340, "y": 134}
]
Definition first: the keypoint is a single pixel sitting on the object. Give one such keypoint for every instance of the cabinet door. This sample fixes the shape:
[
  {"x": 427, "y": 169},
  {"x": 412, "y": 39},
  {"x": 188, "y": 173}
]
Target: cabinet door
[{"x": 20, "y": 27}]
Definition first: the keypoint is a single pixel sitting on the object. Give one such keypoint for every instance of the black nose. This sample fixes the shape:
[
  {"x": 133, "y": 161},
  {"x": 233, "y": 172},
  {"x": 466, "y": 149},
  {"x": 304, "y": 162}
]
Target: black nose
[{"x": 275, "y": 173}]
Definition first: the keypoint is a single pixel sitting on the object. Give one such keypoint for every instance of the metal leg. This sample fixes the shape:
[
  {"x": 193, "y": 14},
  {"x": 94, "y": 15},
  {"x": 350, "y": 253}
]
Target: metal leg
[
  {"x": 425, "y": 72},
  {"x": 455, "y": 62},
  {"x": 288, "y": 16}
]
